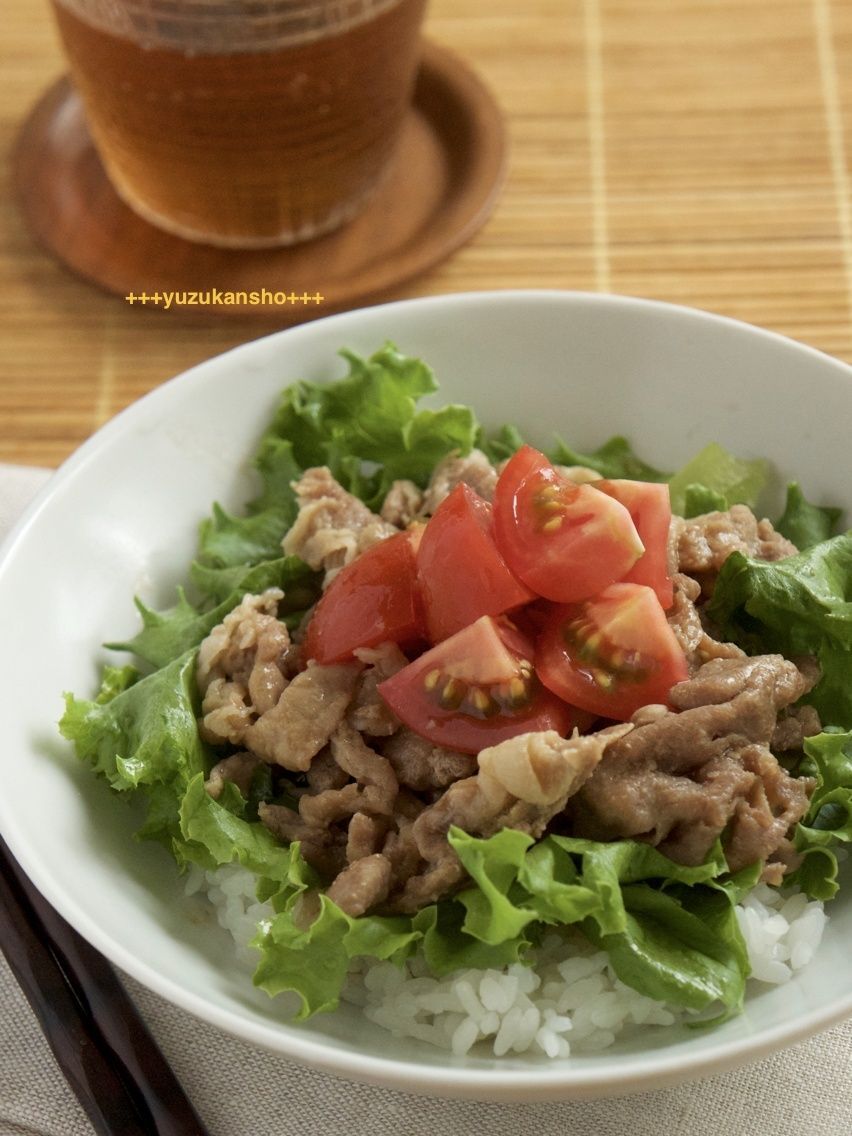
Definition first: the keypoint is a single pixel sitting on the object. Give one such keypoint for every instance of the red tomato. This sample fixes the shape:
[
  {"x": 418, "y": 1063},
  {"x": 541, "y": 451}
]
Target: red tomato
[
  {"x": 462, "y": 575},
  {"x": 565, "y": 541},
  {"x": 375, "y": 599},
  {"x": 650, "y": 507},
  {"x": 475, "y": 689},
  {"x": 611, "y": 654}
]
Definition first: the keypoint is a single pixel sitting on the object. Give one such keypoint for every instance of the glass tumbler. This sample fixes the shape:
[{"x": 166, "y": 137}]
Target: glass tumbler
[{"x": 243, "y": 123}]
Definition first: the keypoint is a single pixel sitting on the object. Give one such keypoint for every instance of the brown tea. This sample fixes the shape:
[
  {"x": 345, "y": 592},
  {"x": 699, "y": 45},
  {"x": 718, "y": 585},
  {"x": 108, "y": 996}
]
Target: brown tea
[{"x": 255, "y": 147}]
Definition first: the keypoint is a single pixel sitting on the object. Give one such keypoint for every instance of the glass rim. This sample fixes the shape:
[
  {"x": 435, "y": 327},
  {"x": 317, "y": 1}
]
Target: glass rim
[{"x": 225, "y": 26}]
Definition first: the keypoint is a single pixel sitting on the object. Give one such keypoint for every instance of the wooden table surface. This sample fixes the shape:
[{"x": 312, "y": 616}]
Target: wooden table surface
[{"x": 688, "y": 150}]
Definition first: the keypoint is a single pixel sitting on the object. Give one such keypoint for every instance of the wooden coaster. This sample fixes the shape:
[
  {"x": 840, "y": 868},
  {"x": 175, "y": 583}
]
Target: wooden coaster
[{"x": 440, "y": 190}]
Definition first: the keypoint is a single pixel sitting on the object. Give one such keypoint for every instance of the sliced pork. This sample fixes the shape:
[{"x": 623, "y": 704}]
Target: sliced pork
[
  {"x": 704, "y": 543},
  {"x": 332, "y": 526},
  {"x": 474, "y": 470},
  {"x": 308, "y": 712},
  {"x": 685, "y": 777}
]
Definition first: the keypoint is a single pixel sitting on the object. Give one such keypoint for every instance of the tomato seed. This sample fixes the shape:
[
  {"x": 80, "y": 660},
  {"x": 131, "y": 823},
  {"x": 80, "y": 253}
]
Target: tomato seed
[
  {"x": 432, "y": 679},
  {"x": 518, "y": 690},
  {"x": 453, "y": 694},
  {"x": 482, "y": 704},
  {"x": 603, "y": 679}
]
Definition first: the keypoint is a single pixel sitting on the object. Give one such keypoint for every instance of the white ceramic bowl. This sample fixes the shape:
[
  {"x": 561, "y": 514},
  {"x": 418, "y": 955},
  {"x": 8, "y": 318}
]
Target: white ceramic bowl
[{"x": 121, "y": 516}]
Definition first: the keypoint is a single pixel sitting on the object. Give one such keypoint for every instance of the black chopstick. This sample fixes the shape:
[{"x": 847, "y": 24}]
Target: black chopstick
[{"x": 100, "y": 1042}]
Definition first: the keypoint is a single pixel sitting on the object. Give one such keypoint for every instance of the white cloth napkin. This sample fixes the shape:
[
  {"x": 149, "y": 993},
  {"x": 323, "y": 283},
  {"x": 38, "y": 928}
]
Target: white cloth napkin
[{"x": 241, "y": 1091}]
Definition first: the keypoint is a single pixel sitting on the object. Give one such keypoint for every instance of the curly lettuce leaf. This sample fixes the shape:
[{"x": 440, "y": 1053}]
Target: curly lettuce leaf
[
  {"x": 365, "y": 427},
  {"x": 669, "y": 928},
  {"x": 698, "y": 499},
  {"x": 671, "y": 951},
  {"x": 213, "y": 835},
  {"x": 447, "y": 947},
  {"x": 652, "y": 921},
  {"x": 550, "y": 873},
  {"x": 115, "y": 680},
  {"x": 311, "y": 961},
  {"x": 227, "y": 540},
  {"x": 796, "y": 606},
  {"x": 371, "y": 416},
  {"x": 615, "y": 459},
  {"x": 308, "y": 946},
  {"x": 806, "y": 524},
  {"x": 143, "y": 736},
  {"x": 828, "y": 822},
  {"x": 309, "y": 928},
  {"x": 718, "y": 472},
  {"x": 608, "y": 867},
  {"x": 494, "y": 865},
  {"x": 167, "y": 634},
  {"x": 501, "y": 444}
]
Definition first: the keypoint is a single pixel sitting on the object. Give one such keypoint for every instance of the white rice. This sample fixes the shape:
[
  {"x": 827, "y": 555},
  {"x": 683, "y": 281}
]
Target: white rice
[{"x": 569, "y": 1001}]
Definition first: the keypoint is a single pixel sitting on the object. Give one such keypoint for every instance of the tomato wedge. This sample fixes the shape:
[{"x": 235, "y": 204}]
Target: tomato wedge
[
  {"x": 649, "y": 504},
  {"x": 611, "y": 654},
  {"x": 375, "y": 599},
  {"x": 565, "y": 541},
  {"x": 475, "y": 689},
  {"x": 462, "y": 574}
]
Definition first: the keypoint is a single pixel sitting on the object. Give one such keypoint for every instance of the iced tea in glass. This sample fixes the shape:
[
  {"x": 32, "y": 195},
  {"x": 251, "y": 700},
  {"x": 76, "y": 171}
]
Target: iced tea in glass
[{"x": 243, "y": 123}]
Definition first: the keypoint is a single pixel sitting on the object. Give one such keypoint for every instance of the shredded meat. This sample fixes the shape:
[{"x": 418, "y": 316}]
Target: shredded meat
[
  {"x": 322, "y": 846},
  {"x": 238, "y": 769},
  {"x": 423, "y": 766},
  {"x": 522, "y": 783},
  {"x": 793, "y": 726},
  {"x": 324, "y": 773},
  {"x": 683, "y": 778},
  {"x": 474, "y": 470},
  {"x": 311, "y": 708},
  {"x": 686, "y": 622},
  {"x": 364, "y": 836},
  {"x": 332, "y": 526},
  {"x": 226, "y": 712},
  {"x": 345, "y": 815},
  {"x": 361, "y": 885},
  {"x": 765, "y": 813},
  {"x": 403, "y": 504},
  {"x": 704, "y": 543},
  {"x": 242, "y": 667},
  {"x": 382, "y": 846},
  {"x": 772, "y": 680},
  {"x": 544, "y": 769},
  {"x": 373, "y": 788},
  {"x": 368, "y": 711}
]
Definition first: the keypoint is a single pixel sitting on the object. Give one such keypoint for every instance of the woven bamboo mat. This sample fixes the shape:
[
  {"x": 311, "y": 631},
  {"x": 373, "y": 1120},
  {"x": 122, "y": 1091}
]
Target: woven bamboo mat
[{"x": 689, "y": 150}]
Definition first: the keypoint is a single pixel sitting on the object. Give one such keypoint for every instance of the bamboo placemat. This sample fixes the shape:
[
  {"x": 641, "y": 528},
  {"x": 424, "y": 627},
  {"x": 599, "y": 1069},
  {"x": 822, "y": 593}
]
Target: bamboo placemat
[{"x": 689, "y": 150}]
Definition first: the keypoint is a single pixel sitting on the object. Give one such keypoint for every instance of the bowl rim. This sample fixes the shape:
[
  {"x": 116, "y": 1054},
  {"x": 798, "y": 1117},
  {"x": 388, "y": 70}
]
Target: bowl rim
[{"x": 560, "y": 1080}]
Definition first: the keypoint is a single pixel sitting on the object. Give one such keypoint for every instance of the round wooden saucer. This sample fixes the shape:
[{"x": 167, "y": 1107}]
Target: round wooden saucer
[{"x": 440, "y": 190}]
